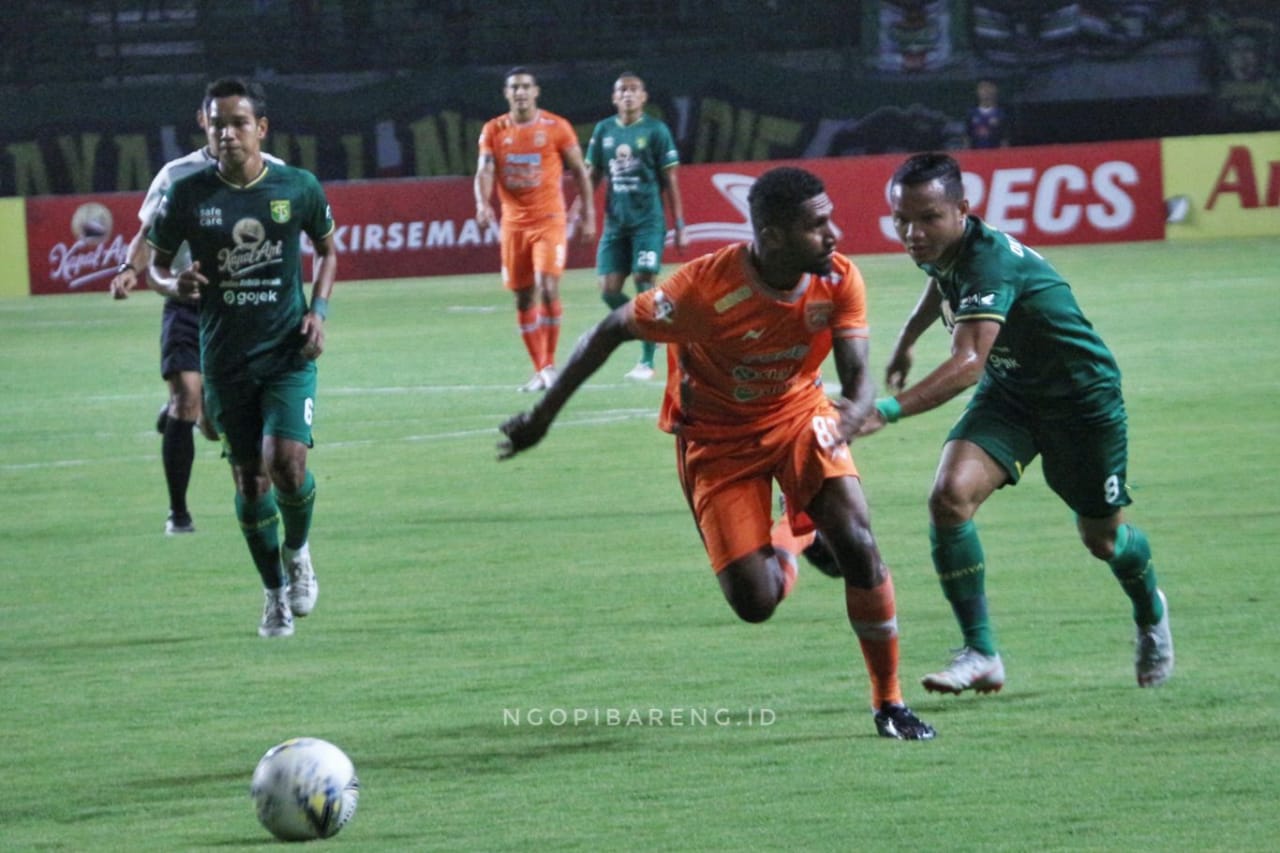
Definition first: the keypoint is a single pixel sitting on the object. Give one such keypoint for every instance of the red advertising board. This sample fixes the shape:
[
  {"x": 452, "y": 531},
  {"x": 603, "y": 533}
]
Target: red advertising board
[
  {"x": 75, "y": 243},
  {"x": 409, "y": 228},
  {"x": 1048, "y": 195}
]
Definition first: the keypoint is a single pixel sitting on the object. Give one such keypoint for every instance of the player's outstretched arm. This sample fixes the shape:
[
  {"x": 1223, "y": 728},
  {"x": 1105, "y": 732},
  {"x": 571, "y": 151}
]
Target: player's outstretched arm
[{"x": 526, "y": 429}]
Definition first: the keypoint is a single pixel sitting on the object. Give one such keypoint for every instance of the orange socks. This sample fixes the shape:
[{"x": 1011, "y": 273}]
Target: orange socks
[
  {"x": 551, "y": 313},
  {"x": 873, "y": 616}
]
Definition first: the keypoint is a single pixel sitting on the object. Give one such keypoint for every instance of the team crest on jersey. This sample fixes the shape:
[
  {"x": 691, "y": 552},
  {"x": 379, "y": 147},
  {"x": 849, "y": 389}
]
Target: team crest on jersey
[
  {"x": 540, "y": 139},
  {"x": 817, "y": 315},
  {"x": 280, "y": 210}
]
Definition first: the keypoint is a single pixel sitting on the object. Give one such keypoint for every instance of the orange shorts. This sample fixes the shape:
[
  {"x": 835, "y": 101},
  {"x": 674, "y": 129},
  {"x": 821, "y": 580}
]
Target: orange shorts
[
  {"x": 729, "y": 484},
  {"x": 525, "y": 251}
]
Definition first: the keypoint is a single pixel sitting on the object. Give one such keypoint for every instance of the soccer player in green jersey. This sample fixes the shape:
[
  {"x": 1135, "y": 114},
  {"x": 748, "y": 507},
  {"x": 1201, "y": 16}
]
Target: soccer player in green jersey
[
  {"x": 243, "y": 219},
  {"x": 1047, "y": 386},
  {"x": 637, "y": 155}
]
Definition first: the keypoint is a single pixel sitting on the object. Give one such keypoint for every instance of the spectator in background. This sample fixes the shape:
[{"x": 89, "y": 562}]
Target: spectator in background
[
  {"x": 1244, "y": 60},
  {"x": 987, "y": 125}
]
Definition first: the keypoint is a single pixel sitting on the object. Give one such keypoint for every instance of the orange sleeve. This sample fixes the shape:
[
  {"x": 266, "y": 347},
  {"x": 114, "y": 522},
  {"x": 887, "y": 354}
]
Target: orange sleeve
[
  {"x": 566, "y": 137},
  {"x": 486, "y": 138},
  {"x": 850, "y": 298},
  {"x": 671, "y": 312}
]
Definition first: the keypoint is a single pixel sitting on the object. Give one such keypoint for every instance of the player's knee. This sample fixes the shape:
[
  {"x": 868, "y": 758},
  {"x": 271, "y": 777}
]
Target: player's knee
[
  {"x": 288, "y": 473},
  {"x": 948, "y": 507},
  {"x": 754, "y": 609},
  {"x": 251, "y": 483},
  {"x": 751, "y": 590},
  {"x": 1102, "y": 546},
  {"x": 856, "y": 555}
]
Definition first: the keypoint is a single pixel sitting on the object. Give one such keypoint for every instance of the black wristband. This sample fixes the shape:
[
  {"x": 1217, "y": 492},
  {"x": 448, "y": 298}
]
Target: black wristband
[{"x": 126, "y": 266}]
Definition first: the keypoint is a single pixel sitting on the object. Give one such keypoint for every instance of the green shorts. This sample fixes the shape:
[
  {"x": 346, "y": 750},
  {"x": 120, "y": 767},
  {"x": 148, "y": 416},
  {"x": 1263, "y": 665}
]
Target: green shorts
[
  {"x": 1084, "y": 459},
  {"x": 245, "y": 410},
  {"x": 628, "y": 251}
]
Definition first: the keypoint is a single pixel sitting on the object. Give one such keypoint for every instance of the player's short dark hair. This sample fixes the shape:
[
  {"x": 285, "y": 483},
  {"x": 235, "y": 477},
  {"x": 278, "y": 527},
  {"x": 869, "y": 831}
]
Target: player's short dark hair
[
  {"x": 237, "y": 87},
  {"x": 777, "y": 196},
  {"x": 518, "y": 69},
  {"x": 932, "y": 166},
  {"x": 628, "y": 75}
]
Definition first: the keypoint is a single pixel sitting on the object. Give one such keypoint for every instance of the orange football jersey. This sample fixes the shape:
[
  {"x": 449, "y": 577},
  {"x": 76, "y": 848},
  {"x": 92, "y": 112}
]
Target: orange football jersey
[
  {"x": 742, "y": 356},
  {"x": 528, "y": 165}
]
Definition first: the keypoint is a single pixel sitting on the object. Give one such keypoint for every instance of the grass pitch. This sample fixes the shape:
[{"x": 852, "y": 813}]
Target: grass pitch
[{"x": 535, "y": 655}]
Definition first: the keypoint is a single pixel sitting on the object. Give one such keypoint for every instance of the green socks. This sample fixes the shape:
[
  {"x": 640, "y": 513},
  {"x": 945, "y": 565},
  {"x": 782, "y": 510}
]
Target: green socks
[
  {"x": 961, "y": 567},
  {"x": 614, "y": 300},
  {"x": 617, "y": 300},
  {"x": 647, "y": 348},
  {"x": 260, "y": 524},
  {"x": 1132, "y": 566},
  {"x": 295, "y": 512}
]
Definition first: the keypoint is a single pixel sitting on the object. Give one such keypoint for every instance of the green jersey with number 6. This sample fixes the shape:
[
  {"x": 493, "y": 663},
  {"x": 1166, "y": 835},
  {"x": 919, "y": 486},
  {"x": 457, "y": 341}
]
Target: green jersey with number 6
[
  {"x": 632, "y": 157},
  {"x": 247, "y": 240},
  {"x": 1047, "y": 356}
]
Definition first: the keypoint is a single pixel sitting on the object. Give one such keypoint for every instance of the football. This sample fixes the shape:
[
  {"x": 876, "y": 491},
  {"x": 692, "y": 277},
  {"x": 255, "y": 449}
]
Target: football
[{"x": 305, "y": 788}]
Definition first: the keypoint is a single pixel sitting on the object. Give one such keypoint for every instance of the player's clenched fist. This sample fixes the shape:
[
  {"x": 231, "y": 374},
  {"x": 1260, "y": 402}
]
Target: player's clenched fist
[{"x": 522, "y": 431}]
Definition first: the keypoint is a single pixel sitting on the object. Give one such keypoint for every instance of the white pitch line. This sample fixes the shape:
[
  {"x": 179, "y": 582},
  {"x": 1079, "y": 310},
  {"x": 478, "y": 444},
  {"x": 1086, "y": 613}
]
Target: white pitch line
[
  {"x": 392, "y": 390},
  {"x": 610, "y": 416}
]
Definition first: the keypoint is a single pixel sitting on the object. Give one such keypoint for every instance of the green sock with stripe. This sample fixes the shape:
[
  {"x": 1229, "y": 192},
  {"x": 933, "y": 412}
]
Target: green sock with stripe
[
  {"x": 1131, "y": 564},
  {"x": 295, "y": 512},
  {"x": 647, "y": 348},
  {"x": 260, "y": 524},
  {"x": 961, "y": 567}
]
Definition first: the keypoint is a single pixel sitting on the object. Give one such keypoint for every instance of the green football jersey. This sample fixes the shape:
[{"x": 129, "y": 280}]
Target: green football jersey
[
  {"x": 247, "y": 240},
  {"x": 632, "y": 158},
  {"x": 1047, "y": 355}
]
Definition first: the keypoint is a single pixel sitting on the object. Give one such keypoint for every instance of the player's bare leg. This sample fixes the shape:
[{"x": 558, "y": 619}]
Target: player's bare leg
[{"x": 840, "y": 511}]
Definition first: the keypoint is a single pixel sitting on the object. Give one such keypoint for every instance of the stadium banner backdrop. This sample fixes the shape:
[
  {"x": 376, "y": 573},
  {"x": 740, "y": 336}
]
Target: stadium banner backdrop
[
  {"x": 1222, "y": 186},
  {"x": 14, "y": 269},
  {"x": 1049, "y": 195}
]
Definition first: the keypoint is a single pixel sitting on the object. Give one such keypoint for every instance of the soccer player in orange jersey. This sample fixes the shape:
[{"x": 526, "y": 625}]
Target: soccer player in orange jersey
[
  {"x": 524, "y": 152},
  {"x": 748, "y": 328}
]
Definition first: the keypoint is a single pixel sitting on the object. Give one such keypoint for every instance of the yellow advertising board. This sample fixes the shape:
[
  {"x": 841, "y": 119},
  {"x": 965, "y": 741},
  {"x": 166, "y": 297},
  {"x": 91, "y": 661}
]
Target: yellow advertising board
[
  {"x": 1222, "y": 186},
  {"x": 14, "y": 279}
]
